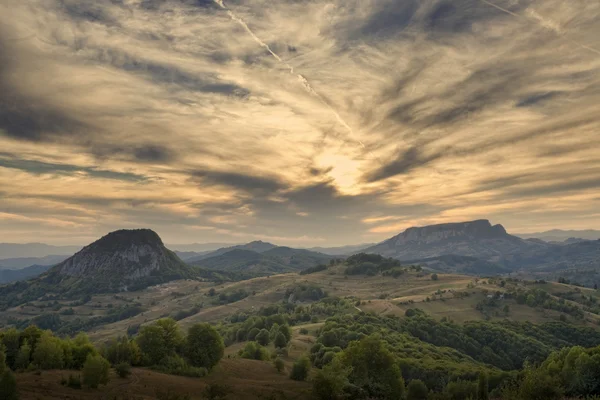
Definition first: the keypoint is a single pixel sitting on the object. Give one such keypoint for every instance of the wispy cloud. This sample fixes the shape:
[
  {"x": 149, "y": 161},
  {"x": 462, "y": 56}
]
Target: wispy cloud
[{"x": 305, "y": 121}]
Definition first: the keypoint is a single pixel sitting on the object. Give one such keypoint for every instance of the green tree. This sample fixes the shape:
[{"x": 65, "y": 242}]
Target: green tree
[
  {"x": 329, "y": 382},
  {"x": 539, "y": 385},
  {"x": 81, "y": 348},
  {"x": 11, "y": 340},
  {"x": 280, "y": 341},
  {"x": 123, "y": 350},
  {"x": 32, "y": 334},
  {"x": 434, "y": 277},
  {"x": 49, "y": 353},
  {"x": 252, "y": 334},
  {"x": 286, "y": 331},
  {"x": 152, "y": 344},
  {"x": 24, "y": 357},
  {"x": 95, "y": 371},
  {"x": 263, "y": 337},
  {"x": 300, "y": 369},
  {"x": 204, "y": 346},
  {"x": 483, "y": 387},
  {"x": 416, "y": 390},
  {"x": 3, "y": 365},
  {"x": 172, "y": 336},
  {"x": 8, "y": 386},
  {"x": 274, "y": 331},
  {"x": 374, "y": 368}
]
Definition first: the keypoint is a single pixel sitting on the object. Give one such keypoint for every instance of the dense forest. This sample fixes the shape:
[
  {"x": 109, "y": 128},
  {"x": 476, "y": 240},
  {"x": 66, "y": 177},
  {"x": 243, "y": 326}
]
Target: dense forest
[{"x": 357, "y": 355}]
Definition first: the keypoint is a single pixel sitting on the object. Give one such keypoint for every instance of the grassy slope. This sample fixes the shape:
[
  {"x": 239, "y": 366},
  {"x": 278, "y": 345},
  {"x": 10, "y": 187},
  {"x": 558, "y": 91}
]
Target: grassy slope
[
  {"x": 159, "y": 301},
  {"x": 247, "y": 379}
]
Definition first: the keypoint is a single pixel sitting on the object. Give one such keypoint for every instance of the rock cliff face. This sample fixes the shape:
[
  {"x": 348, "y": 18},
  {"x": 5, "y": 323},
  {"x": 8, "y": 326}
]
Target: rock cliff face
[
  {"x": 121, "y": 259},
  {"x": 478, "y": 239}
]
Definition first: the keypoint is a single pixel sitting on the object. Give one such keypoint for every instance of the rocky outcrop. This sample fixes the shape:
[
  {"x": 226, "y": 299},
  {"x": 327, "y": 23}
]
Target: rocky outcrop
[
  {"x": 477, "y": 238},
  {"x": 122, "y": 258}
]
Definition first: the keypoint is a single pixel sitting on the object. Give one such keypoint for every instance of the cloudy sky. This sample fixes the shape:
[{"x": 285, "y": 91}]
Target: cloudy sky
[{"x": 301, "y": 122}]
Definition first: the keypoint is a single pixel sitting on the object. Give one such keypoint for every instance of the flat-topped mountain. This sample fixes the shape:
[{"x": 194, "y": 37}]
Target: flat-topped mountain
[{"x": 477, "y": 238}]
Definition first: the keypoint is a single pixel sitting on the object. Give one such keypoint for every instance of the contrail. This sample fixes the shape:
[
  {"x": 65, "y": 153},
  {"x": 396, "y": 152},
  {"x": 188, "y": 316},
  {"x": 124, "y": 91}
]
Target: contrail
[
  {"x": 300, "y": 77},
  {"x": 557, "y": 32}
]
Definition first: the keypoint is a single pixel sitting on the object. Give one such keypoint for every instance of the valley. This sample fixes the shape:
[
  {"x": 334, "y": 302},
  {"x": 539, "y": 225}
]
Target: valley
[{"x": 128, "y": 283}]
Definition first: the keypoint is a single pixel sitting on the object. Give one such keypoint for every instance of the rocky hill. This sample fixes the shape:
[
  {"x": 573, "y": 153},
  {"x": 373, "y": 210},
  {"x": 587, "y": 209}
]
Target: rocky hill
[
  {"x": 479, "y": 239},
  {"x": 120, "y": 261}
]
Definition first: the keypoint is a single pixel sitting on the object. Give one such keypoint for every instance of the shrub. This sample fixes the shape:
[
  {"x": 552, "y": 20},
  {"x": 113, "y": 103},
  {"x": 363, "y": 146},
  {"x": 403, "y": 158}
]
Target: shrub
[
  {"x": 95, "y": 371},
  {"x": 300, "y": 369},
  {"x": 8, "y": 385},
  {"x": 279, "y": 365},
  {"x": 175, "y": 365},
  {"x": 74, "y": 382},
  {"x": 416, "y": 390},
  {"x": 254, "y": 351},
  {"x": 216, "y": 391},
  {"x": 123, "y": 370}
]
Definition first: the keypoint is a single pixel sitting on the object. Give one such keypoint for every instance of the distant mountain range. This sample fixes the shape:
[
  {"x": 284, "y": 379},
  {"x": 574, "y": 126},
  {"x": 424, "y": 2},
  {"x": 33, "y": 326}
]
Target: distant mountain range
[
  {"x": 23, "y": 262},
  {"x": 342, "y": 250},
  {"x": 14, "y": 275},
  {"x": 19, "y": 250},
  {"x": 139, "y": 257},
  {"x": 478, "y": 247},
  {"x": 261, "y": 258},
  {"x": 558, "y": 235}
]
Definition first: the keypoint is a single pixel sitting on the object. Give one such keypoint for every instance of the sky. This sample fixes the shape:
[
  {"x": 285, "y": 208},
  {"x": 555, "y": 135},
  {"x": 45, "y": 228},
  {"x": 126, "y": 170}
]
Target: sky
[{"x": 304, "y": 123}]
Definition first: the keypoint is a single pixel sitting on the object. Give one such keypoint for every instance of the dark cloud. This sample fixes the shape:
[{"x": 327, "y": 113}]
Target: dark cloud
[
  {"x": 38, "y": 168},
  {"x": 405, "y": 162},
  {"x": 536, "y": 99},
  {"x": 245, "y": 182},
  {"x": 168, "y": 74},
  {"x": 88, "y": 10}
]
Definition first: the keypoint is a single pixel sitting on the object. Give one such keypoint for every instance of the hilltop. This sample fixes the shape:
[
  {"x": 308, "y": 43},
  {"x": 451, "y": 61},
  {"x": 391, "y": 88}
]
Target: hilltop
[
  {"x": 121, "y": 260},
  {"x": 260, "y": 258}
]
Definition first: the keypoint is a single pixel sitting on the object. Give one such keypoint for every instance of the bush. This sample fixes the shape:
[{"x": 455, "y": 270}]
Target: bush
[
  {"x": 8, "y": 385},
  {"x": 216, "y": 391},
  {"x": 175, "y": 365},
  {"x": 95, "y": 371},
  {"x": 254, "y": 351},
  {"x": 300, "y": 369},
  {"x": 279, "y": 365},
  {"x": 123, "y": 370},
  {"x": 74, "y": 382},
  {"x": 303, "y": 331},
  {"x": 416, "y": 390}
]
